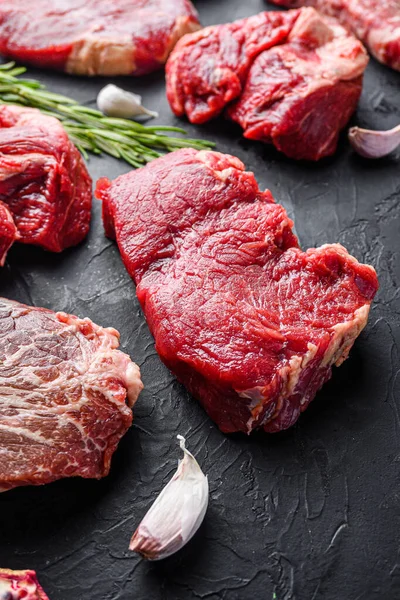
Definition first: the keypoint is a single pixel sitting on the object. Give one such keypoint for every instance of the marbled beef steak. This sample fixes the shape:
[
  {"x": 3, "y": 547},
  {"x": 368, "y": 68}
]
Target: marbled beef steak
[
  {"x": 63, "y": 392},
  {"x": 94, "y": 37},
  {"x": 296, "y": 78},
  {"x": 375, "y": 22},
  {"x": 45, "y": 189},
  {"x": 250, "y": 323}
]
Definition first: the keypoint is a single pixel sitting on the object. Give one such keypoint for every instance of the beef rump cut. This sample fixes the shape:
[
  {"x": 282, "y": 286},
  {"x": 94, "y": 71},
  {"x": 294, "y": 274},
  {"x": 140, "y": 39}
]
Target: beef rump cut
[
  {"x": 246, "y": 320},
  {"x": 63, "y": 387},
  {"x": 94, "y": 37},
  {"x": 17, "y": 585},
  {"x": 375, "y": 22},
  {"x": 296, "y": 78},
  {"x": 45, "y": 189}
]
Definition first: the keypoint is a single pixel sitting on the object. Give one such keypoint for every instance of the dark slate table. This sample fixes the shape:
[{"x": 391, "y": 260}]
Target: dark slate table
[{"x": 308, "y": 514}]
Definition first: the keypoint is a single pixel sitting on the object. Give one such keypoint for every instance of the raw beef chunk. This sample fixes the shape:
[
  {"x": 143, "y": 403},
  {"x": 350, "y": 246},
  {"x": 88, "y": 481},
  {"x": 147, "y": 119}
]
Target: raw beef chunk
[
  {"x": 15, "y": 585},
  {"x": 246, "y": 320},
  {"x": 63, "y": 386},
  {"x": 208, "y": 68},
  {"x": 94, "y": 37},
  {"x": 44, "y": 184},
  {"x": 298, "y": 96},
  {"x": 296, "y": 78},
  {"x": 375, "y": 22}
]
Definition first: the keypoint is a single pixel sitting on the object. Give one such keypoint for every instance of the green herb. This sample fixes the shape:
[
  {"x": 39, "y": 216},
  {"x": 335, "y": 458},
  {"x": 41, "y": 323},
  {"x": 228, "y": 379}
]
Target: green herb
[{"x": 88, "y": 128}]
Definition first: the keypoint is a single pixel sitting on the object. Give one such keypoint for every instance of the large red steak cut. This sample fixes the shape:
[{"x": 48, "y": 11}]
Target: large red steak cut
[
  {"x": 18, "y": 585},
  {"x": 45, "y": 189},
  {"x": 94, "y": 37},
  {"x": 375, "y": 22},
  {"x": 63, "y": 392},
  {"x": 249, "y": 322},
  {"x": 294, "y": 79}
]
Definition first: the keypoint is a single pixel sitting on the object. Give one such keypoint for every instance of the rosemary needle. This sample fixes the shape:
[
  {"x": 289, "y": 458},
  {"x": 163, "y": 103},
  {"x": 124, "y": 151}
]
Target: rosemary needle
[{"x": 88, "y": 128}]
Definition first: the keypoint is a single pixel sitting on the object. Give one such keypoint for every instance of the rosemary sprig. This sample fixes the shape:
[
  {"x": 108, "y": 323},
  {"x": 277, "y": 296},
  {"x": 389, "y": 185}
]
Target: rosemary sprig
[{"x": 88, "y": 128}]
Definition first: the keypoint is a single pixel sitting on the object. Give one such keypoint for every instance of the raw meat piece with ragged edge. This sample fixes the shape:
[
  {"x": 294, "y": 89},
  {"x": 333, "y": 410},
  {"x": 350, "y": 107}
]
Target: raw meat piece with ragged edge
[
  {"x": 296, "y": 78},
  {"x": 94, "y": 37},
  {"x": 66, "y": 395},
  {"x": 251, "y": 324},
  {"x": 44, "y": 184},
  {"x": 15, "y": 585},
  {"x": 375, "y": 22},
  {"x": 207, "y": 70},
  {"x": 301, "y": 94}
]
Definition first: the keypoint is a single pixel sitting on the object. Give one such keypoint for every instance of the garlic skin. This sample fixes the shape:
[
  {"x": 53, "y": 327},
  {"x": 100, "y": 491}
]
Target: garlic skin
[
  {"x": 116, "y": 102},
  {"x": 374, "y": 144},
  {"x": 176, "y": 514}
]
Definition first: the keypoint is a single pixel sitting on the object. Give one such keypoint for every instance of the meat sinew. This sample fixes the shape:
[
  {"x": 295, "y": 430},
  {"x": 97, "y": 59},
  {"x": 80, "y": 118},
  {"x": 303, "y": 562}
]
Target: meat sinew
[
  {"x": 375, "y": 22},
  {"x": 296, "y": 78},
  {"x": 45, "y": 189},
  {"x": 20, "y": 584},
  {"x": 94, "y": 37},
  {"x": 251, "y": 324},
  {"x": 63, "y": 387}
]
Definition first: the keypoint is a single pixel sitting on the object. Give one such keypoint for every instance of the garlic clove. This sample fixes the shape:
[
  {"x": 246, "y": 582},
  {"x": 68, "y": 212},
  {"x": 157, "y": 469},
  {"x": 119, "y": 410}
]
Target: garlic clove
[
  {"x": 116, "y": 102},
  {"x": 374, "y": 144},
  {"x": 177, "y": 512}
]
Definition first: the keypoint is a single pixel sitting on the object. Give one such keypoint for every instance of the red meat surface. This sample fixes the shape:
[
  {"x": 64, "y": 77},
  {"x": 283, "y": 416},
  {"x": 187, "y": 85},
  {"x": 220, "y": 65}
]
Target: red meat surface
[
  {"x": 208, "y": 68},
  {"x": 251, "y": 324},
  {"x": 64, "y": 387},
  {"x": 8, "y": 232},
  {"x": 94, "y": 37},
  {"x": 295, "y": 77},
  {"x": 15, "y": 585},
  {"x": 375, "y": 22},
  {"x": 301, "y": 94},
  {"x": 44, "y": 184}
]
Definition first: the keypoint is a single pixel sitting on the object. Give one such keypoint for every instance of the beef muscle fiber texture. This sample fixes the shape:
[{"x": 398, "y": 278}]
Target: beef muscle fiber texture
[
  {"x": 375, "y": 22},
  {"x": 246, "y": 320},
  {"x": 94, "y": 37},
  {"x": 20, "y": 584},
  {"x": 291, "y": 79},
  {"x": 63, "y": 387},
  {"x": 45, "y": 189}
]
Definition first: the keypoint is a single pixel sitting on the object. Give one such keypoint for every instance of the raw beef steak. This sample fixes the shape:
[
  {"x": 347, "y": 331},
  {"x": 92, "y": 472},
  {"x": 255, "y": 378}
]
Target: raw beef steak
[
  {"x": 63, "y": 386},
  {"x": 375, "y": 22},
  {"x": 300, "y": 95},
  {"x": 44, "y": 184},
  {"x": 94, "y": 37},
  {"x": 207, "y": 70},
  {"x": 15, "y": 585},
  {"x": 246, "y": 320},
  {"x": 296, "y": 76}
]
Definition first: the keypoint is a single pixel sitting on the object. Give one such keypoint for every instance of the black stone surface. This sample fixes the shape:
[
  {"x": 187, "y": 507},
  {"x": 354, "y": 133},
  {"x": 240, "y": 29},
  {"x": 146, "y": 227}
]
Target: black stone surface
[{"x": 308, "y": 514}]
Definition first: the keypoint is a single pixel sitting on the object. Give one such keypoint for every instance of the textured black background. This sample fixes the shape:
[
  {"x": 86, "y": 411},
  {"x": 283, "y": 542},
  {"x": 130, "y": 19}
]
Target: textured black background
[{"x": 309, "y": 514}]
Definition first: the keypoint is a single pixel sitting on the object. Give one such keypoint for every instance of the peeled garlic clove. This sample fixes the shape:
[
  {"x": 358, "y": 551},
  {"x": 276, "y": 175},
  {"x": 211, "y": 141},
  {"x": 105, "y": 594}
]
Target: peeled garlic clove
[
  {"x": 176, "y": 514},
  {"x": 116, "y": 102},
  {"x": 374, "y": 144}
]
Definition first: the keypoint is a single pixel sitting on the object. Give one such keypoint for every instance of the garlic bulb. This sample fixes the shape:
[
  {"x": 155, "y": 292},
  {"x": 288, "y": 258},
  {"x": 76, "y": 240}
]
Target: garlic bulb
[
  {"x": 374, "y": 144},
  {"x": 176, "y": 514},
  {"x": 116, "y": 102}
]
